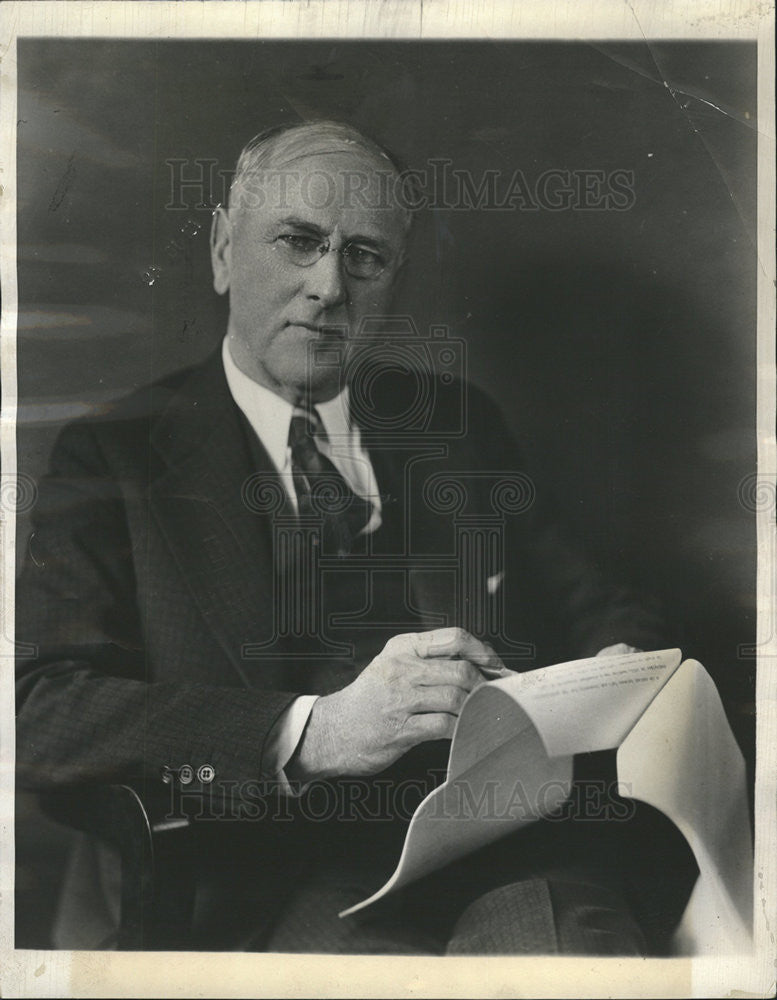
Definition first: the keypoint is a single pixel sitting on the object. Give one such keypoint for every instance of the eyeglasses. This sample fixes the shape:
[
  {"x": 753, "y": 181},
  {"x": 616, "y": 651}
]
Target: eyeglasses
[{"x": 304, "y": 251}]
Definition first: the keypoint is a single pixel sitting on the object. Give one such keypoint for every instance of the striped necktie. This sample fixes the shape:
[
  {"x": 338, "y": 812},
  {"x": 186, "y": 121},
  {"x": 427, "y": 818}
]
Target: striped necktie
[{"x": 321, "y": 489}]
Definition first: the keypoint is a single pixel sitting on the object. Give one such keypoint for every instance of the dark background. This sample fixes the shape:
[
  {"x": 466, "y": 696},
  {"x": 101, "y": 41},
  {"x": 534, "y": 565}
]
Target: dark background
[{"x": 621, "y": 345}]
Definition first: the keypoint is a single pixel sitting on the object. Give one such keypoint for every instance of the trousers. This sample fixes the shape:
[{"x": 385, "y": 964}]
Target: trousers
[
  {"x": 574, "y": 887},
  {"x": 575, "y": 913}
]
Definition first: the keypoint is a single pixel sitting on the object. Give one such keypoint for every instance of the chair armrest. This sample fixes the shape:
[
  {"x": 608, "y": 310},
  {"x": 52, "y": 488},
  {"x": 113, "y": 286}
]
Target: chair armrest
[{"x": 156, "y": 857}]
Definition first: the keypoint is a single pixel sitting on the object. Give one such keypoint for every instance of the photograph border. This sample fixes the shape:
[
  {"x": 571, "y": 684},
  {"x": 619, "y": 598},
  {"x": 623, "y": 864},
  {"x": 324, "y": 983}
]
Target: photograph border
[{"x": 65, "y": 973}]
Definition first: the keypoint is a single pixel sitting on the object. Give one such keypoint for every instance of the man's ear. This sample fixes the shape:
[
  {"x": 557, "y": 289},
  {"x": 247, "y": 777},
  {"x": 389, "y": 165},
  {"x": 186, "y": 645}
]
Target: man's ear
[{"x": 221, "y": 249}]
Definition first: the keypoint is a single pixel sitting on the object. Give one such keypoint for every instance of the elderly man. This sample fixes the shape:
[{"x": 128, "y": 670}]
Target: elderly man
[{"x": 160, "y": 586}]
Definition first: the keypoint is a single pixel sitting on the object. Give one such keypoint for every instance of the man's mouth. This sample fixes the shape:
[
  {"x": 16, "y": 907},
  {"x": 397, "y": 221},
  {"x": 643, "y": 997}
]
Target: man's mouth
[{"x": 321, "y": 329}]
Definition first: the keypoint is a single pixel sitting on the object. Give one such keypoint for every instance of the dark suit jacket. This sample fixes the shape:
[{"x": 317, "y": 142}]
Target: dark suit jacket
[
  {"x": 149, "y": 580},
  {"x": 150, "y": 571}
]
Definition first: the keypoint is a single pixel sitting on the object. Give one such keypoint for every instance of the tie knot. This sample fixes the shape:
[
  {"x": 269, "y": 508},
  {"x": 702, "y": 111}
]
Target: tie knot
[{"x": 305, "y": 426}]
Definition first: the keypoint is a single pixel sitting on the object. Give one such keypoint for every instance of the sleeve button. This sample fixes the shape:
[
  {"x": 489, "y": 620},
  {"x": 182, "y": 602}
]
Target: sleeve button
[
  {"x": 186, "y": 774},
  {"x": 206, "y": 773}
]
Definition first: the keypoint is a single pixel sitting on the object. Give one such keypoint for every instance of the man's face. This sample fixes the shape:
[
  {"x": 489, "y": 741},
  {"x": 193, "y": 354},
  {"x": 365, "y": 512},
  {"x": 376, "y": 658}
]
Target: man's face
[{"x": 278, "y": 309}]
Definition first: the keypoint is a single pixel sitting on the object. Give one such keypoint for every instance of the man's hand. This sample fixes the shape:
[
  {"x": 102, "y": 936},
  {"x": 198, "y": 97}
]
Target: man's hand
[
  {"x": 410, "y": 693},
  {"x": 618, "y": 648}
]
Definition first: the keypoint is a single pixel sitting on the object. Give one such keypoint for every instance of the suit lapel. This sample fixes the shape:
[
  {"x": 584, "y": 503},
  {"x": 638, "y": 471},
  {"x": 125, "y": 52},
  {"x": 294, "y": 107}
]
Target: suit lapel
[
  {"x": 202, "y": 503},
  {"x": 223, "y": 543}
]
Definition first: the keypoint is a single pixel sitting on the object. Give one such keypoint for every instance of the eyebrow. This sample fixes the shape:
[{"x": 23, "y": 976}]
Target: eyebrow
[
  {"x": 300, "y": 224},
  {"x": 369, "y": 241}
]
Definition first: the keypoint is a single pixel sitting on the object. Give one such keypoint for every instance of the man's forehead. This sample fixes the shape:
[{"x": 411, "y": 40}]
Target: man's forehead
[
  {"x": 340, "y": 171},
  {"x": 349, "y": 189},
  {"x": 337, "y": 157}
]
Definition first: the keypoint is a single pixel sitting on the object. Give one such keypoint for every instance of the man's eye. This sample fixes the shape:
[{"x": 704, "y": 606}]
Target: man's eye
[
  {"x": 297, "y": 242},
  {"x": 361, "y": 256}
]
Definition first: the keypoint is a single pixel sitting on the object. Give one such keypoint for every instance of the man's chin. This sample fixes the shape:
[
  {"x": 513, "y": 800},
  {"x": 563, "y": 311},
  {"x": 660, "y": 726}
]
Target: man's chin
[
  {"x": 308, "y": 362},
  {"x": 313, "y": 384},
  {"x": 319, "y": 391}
]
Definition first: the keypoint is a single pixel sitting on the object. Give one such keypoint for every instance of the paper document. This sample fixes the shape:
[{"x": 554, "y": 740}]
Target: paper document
[{"x": 511, "y": 763}]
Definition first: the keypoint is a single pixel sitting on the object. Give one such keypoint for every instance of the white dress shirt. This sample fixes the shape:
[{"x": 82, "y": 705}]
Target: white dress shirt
[{"x": 270, "y": 417}]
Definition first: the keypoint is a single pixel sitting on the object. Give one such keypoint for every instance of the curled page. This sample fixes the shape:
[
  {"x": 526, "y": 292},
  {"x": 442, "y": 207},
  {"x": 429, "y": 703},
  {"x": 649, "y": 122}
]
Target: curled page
[
  {"x": 512, "y": 753},
  {"x": 682, "y": 758}
]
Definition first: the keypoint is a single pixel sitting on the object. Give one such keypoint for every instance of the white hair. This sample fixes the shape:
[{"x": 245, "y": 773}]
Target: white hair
[{"x": 282, "y": 145}]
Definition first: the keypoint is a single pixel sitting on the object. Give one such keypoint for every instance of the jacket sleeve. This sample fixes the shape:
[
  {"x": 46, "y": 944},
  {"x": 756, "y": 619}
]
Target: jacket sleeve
[{"x": 88, "y": 709}]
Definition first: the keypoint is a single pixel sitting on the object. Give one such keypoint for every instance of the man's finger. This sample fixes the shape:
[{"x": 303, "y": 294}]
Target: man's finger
[
  {"x": 453, "y": 642},
  {"x": 430, "y": 726},
  {"x": 491, "y": 673},
  {"x": 439, "y": 698},
  {"x": 618, "y": 649},
  {"x": 456, "y": 673}
]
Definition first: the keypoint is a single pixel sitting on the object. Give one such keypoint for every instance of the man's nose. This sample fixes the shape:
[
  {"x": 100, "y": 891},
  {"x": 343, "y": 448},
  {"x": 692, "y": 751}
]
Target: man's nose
[{"x": 326, "y": 280}]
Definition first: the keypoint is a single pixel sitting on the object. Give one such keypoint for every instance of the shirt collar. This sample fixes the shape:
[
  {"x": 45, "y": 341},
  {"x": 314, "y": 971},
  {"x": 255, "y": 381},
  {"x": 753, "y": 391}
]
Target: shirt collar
[
  {"x": 335, "y": 416},
  {"x": 270, "y": 414}
]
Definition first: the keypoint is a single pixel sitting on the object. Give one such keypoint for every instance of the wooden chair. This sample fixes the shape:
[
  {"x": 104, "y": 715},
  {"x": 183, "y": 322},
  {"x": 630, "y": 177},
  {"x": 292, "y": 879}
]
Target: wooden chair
[{"x": 157, "y": 883}]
